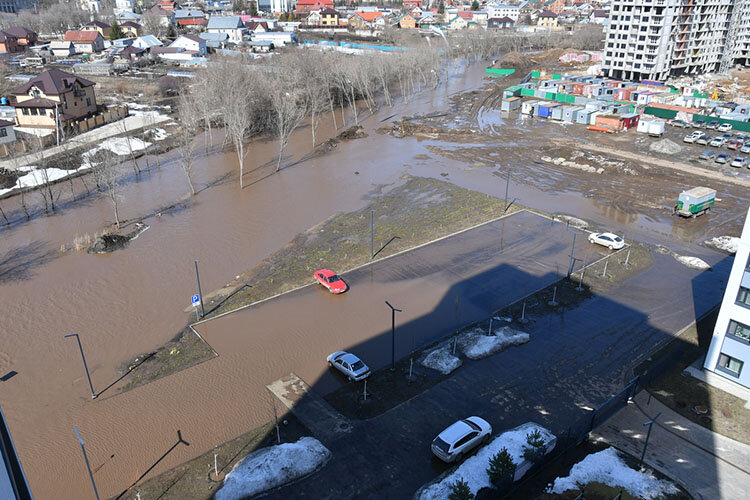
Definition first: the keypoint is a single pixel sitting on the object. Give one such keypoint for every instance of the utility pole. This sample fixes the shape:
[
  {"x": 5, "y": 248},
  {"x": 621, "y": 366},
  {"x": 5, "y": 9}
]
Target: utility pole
[
  {"x": 86, "y": 459},
  {"x": 650, "y": 423},
  {"x": 57, "y": 124},
  {"x": 507, "y": 185},
  {"x": 393, "y": 334},
  {"x": 85, "y": 366},
  {"x": 572, "y": 247},
  {"x": 200, "y": 294},
  {"x": 372, "y": 234}
]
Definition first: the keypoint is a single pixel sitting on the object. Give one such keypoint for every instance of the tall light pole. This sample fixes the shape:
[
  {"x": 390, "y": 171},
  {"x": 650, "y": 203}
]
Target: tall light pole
[
  {"x": 85, "y": 366},
  {"x": 86, "y": 459},
  {"x": 572, "y": 248},
  {"x": 200, "y": 294},
  {"x": 393, "y": 334}
]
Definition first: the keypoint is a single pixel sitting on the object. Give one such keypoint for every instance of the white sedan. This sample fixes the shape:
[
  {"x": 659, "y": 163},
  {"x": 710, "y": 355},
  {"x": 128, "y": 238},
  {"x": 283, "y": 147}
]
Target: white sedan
[
  {"x": 349, "y": 364},
  {"x": 456, "y": 441},
  {"x": 724, "y": 127},
  {"x": 609, "y": 240}
]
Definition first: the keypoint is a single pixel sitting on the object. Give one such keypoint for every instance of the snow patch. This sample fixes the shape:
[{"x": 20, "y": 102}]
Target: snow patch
[
  {"x": 692, "y": 262},
  {"x": 272, "y": 467},
  {"x": 574, "y": 221},
  {"x": 608, "y": 468},
  {"x": 477, "y": 345},
  {"x": 665, "y": 146},
  {"x": 729, "y": 244},
  {"x": 442, "y": 360},
  {"x": 39, "y": 177},
  {"x": 474, "y": 469},
  {"x": 570, "y": 163}
]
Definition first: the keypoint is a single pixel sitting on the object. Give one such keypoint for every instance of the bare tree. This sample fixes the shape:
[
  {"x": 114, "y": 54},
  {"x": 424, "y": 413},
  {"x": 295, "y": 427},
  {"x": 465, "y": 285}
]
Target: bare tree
[
  {"x": 152, "y": 24},
  {"x": 108, "y": 178},
  {"x": 188, "y": 121},
  {"x": 236, "y": 115},
  {"x": 289, "y": 111}
]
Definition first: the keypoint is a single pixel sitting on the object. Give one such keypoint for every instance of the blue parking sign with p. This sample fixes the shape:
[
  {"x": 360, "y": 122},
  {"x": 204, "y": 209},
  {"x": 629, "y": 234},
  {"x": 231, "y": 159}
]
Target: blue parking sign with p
[{"x": 196, "y": 300}]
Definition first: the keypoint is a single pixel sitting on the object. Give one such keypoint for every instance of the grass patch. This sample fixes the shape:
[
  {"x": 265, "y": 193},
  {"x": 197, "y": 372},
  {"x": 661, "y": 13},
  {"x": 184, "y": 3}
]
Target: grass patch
[
  {"x": 191, "y": 479},
  {"x": 727, "y": 414}
]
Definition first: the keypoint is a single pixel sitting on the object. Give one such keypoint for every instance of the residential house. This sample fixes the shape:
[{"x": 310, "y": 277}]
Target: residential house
[
  {"x": 61, "y": 48},
  {"x": 167, "y": 4},
  {"x": 305, "y": 6},
  {"x": 54, "y": 98},
  {"x": 7, "y": 134},
  {"x": 500, "y": 23},
  {"x": 256, "y": 26},
  {"x": 567, "y": 17},
  {"x": 599, "y": 16},
  {"x": 131, "y": 29},
  {"x": 85, "y": 42},
  {"x": 123, "y": 6},
  {"x": 232, "y": 26},
  {"x": 428, "y": 19},
  {"x": 406, "y": 21},
  {"x": 367, "y": 19},
  {"x": 190, "y": 43},
  {"x": 313, "y": 18},
  {"x": 547, "y": 19},
  {"x": 411, "y": 4},
  {"x": 480, "y": 17},
  {"x": 103, "y": 28},
  {"x": 131, "y": 54},
  {"x": 190, "y": 18},
  {"x": 147, "y": 42},
  {"x": 416, "y": 12},
  {"x": 9, "y": 44},
  {"x": 457, "y": 23},
  {"x": 555, "y": 6},
  {"x": 329, "y": 17},
  {"x": 468, "y": 15},
  {"x": 497, "y": 11},
  {"x": 90, "y": 5},
  {"x": 214, "y": 40},
  {"x": 25, "y": 37},
  {"x": 166, "y": 17}
]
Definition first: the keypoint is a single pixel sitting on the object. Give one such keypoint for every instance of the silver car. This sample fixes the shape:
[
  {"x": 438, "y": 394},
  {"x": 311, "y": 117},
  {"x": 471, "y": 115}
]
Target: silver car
[
  {"x": 456, "y": 441},
  {"x": 717, "y": 142},
  {"x": 349, "y": 364}
]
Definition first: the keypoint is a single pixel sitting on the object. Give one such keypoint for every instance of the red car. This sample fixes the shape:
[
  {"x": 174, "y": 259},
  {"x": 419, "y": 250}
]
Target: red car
[{"x": 331, "y": 281}]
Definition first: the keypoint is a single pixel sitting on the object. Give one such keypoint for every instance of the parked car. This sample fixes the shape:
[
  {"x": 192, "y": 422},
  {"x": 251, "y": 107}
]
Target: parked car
[
  {"x": 734, "y": 144},
  {"x": 728, "y": 137},
  {"x": 679, "y": 123},
  {"x": 330, "y": 280},
  {"x": 609, "y": 240},
  {"x": 717, "y": 142},
  {"x": 745, "y": 149},
  {"x": 739, "y": 162},
  {"x": 692, "y": 137},
  {"x": 703, "y": 140},
  {"x": 722, "y": 158},
  {"x": 724, "y": 127},
  {"x": 456, "y": 441},
  {"x": 699, "y": 124},
  {"x": 707, "y": 155},
  {"x": 713, "y": 125},
  {"x": 348, "y": 364}
]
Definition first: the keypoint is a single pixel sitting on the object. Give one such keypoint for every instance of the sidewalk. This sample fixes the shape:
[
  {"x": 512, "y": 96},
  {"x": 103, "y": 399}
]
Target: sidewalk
[
  {"x": 706, "y": 464},
  {"x": 129, "y": 124}
]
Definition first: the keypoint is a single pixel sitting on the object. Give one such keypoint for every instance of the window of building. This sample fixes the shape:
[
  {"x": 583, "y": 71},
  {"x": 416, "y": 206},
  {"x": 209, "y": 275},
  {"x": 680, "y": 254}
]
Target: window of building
[
  {"x": 739, "y": 331},
  {"x": 730, "y": 365},
  {"x": 3, "y": 132},
  {"x": 26, "y": 111},
  {"x": 743, "y": 297},
  {"x": 88, "y": 101}
]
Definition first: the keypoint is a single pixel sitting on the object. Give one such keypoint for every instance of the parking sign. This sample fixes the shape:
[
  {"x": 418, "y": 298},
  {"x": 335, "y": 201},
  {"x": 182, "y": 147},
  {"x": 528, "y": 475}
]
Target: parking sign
[{"x": 196, "y": 300}]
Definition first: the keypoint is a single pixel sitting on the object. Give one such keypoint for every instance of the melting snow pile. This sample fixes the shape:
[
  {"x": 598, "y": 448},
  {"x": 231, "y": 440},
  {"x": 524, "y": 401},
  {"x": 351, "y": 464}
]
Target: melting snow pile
[
  {"x": 121, "y": 146},
  {"x": 574, "y": 221},
  {"x": 692, "y": 262},
  {"x": 273, "y": 467},
  {"x": 607, "y": 468},
  {"x": 727, "y": 243},
  {"x": 570, "y": 163},
  {"x": 442, "y": 360},
  {"x": 474, "y": 469},
  {"x": 665, "y": 146},
  {"x": 38, "y": 177},
  {"x": 477, "y": 345}
]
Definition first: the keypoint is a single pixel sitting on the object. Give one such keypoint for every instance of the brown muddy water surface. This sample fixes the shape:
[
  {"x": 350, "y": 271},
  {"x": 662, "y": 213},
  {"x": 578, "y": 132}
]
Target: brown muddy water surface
[{"x": 132, "y": 301}]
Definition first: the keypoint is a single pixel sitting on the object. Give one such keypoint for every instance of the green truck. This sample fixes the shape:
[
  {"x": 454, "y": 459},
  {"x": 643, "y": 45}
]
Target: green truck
[{"x": 695, "y": 202}]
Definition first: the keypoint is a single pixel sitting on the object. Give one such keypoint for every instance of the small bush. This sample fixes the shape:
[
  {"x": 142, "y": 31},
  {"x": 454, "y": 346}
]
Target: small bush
[
  {"x": 460, "y": 491},
  {"x": 501, "y": 466},
  {"x": 169, "y": 85},
  {"x": 534, "y": 447}
]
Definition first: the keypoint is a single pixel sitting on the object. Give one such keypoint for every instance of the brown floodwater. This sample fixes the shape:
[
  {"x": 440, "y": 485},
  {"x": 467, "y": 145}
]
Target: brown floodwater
[{"x": 132, "y": 301}]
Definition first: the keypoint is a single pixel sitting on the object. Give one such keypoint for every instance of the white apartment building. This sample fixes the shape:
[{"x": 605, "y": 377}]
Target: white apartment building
[
  {"x": 655, "y": 39},
  {"x": 497, "y": 11},
  {"x": 275, "y": 6},
  {"x": 729, "y": 351}
]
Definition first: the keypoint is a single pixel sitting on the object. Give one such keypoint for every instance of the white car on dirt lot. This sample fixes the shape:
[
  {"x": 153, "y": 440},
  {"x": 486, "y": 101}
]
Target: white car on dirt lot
[
  {"x": 455, "y": 442},
  {"x": 724, "y": 127},
  {"x": 609, "y": 240},
  {"x": 692, "y": 137}
]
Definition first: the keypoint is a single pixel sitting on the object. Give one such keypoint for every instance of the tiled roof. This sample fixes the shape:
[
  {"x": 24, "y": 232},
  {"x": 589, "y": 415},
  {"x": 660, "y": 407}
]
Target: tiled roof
[
  {"x": 81, "y": 36},
  {"x": 53, "y": 82}
]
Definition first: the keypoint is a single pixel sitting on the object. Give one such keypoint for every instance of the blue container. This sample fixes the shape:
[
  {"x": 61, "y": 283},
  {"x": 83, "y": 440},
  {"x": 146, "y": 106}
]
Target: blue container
[{"x": 4, "y": 101}]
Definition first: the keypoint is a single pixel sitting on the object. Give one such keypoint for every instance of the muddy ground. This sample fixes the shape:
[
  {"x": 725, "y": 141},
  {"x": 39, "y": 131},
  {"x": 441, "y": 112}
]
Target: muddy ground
[{"x": 620, "y": 172}]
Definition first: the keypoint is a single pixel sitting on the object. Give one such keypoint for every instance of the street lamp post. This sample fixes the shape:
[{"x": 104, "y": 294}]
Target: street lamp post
[
  {"x": 86, "y": 459},
  {"x": 85, "y": 366},
  {"x": 393, "y": 334},
  {"x": 650, "y": 423},
  {"x": 200, "y": 294}
]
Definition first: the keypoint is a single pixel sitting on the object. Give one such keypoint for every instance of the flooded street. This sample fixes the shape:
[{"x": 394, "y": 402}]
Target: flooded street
[{"x": 133, "y": 300}]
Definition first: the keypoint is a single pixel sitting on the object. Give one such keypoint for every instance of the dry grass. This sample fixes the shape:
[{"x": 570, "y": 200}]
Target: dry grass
[{"x": 82, "y": 242}]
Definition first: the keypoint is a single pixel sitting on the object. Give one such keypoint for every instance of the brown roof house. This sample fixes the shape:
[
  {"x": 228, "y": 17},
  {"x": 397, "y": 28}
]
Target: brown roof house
[
  {"x": 9, "y": 44},
  {"x": 85, "y": 42},
  {"x": 54, "y": 98},
  {"x": 26, "y": 37},
  {"x": 103, "y": 28}
]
